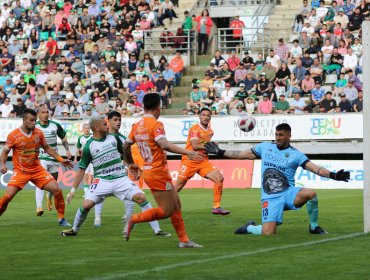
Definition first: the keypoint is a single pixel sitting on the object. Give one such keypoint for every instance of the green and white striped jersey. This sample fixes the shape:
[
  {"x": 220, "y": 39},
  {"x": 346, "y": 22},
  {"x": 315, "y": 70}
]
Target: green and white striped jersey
[
  {"x": 51, "y": 131},
  {"x": 105, "y": 156},
  {"x": 120, "y": 135},
  {"x": 82, "y": 140}
]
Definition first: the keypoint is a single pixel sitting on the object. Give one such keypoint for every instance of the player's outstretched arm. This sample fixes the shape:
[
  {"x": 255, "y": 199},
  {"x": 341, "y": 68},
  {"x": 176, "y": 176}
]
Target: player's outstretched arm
[
  {"x": 170, "y": 147},
  {"x": 76, "y": 182},
  {"x": 213, "y": 148},
  {"x": 341, "y": 175},
  {"x": 3, "y": 158},
  {"x": 66, "y": 162},
  {"x": 66, "y": 146}
]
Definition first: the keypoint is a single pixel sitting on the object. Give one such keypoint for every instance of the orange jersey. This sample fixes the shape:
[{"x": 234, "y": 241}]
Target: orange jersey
[
  {"x": 138, "y": 159},
  {"x": 25, "y": 148},
  {"x": 203, "y": 135},
  {"x": 145, "y": 133}
]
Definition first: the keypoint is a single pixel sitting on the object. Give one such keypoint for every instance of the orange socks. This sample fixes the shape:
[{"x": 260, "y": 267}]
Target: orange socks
[
  {"x": 59, "y": 204},
  {"x": 149, "y": 215},
  {"x": 217, "y": 193},
  {"x": 4, "y": 201},
  {"x": 179, "y": 225}
]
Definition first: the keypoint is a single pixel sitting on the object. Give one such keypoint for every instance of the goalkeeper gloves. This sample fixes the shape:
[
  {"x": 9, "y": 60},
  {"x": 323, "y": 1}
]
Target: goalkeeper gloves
[
  {"x": 341, "y": 175},
  {"x": 213, "y": 148}
]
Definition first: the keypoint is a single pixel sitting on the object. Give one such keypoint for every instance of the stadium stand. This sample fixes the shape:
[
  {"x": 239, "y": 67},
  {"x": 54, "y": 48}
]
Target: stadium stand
[{"x": 80, "y": 56}]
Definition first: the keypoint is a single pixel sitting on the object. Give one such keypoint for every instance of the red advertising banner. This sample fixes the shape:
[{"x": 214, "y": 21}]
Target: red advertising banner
[{"x": 237, "y": 174}]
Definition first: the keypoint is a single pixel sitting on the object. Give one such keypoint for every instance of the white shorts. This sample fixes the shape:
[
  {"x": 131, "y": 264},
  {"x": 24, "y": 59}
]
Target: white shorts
[
  {"x": 50, "y": 166},
  {"x": 122, "y": 188},
  {"x": 90, "y": 169}
]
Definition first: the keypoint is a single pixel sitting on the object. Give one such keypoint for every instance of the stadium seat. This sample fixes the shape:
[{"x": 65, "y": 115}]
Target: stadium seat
[
  {"x": 291, "y": 67},
  {"x": 326, "y": 88},
  {"x": 313, "y": 56},
  {"x": 331, "y": 79},
  {"x": 61, "y": 44},
  {"x": 125, "y": 82}
]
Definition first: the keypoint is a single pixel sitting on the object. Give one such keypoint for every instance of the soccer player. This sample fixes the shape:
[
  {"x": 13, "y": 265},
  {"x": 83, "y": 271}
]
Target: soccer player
[
  {"x": 51, "y": 131},
  {"x": 81, "y": 141},
  {"x": 114, "y": 123},
  {"x": 200, "y": 134},
  {"x": 139, "y": 161},
  {"x": 279, "y": 193},
  {"x": 150, "y": 137},
  {"x": 25, "y": 143}
]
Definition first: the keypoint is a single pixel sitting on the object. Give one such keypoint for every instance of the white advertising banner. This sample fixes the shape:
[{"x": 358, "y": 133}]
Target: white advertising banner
[
  {"x": 304, "y": 127},
  {"x": 304, "y": 178}
]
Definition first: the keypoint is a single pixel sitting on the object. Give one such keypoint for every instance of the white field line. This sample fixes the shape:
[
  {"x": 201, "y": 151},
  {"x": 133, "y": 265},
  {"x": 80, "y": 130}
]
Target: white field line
[{"x": 225, "y": 257}]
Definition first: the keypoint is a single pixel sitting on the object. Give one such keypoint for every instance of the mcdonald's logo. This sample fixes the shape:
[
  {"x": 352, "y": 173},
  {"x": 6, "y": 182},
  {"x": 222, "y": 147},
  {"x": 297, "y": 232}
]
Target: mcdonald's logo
[{"x": 238, "y": 172}]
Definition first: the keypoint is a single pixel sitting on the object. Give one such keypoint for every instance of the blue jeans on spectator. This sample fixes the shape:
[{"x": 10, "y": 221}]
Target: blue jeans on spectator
[
  {"x": 358, "y": 69},
  {"x": 336, "y": 70},
  {"x": 178, "y": 76}
]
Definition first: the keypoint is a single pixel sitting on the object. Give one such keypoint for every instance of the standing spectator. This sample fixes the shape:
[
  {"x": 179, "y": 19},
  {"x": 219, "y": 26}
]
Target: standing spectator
[
  {"x": 204, "y": 29},
  {"x": 265, "y": 106},
  {"x": 237, "y": 26},
  {"x": 177, "y": 66}
]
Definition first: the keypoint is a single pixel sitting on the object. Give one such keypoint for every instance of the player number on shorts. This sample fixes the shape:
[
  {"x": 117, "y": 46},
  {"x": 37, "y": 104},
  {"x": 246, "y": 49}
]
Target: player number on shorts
[
  {"x": 265, "y": 212},
  {"x": 145, "y": 151}
]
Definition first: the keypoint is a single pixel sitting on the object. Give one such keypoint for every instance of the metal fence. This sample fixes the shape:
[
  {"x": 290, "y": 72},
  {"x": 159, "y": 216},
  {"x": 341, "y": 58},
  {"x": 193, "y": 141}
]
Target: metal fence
[{"x": 239, "y": 3}]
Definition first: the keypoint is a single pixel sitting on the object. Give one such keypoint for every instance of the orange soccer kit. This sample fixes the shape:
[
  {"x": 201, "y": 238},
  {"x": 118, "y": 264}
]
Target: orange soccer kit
[
  {"x": 27, "y": 165},
  {"x": 155, "y": 170},
  {"x": 189, "y": 167},
  {"x": 139, "y": 161}
]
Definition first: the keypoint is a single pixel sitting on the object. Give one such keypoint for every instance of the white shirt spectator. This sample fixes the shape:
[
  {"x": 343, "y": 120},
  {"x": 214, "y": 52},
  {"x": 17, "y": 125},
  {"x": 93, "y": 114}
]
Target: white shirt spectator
[
  {"x": 350, "y": 61},
  {"x": 321, "y": 12},
  {"x": 275, "y": 61},
  {"x": 297, "y": 104},
  {"x": 5, "y": 109},
  {"x": 296, "y": 51},
  {"x": 227, "y": 96},
  {"x": 309, "y": 29},
  {"x": 314, "y": 21},
  {"x": 42, "y": 78}
]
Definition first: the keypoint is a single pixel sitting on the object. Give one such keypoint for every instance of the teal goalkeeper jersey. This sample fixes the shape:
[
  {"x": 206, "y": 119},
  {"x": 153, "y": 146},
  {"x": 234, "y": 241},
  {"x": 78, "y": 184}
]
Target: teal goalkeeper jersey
[
  {"x": 105, "y": 156},
  {"x": 51, "y": 130}
]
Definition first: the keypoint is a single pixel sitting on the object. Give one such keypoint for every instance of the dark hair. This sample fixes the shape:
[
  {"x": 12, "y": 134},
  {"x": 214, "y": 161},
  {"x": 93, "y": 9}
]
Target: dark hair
[
  {"x": 204, "y": 109},
  {"x": 283, "y": 126},
  {"x": 113, "y": 114},
  {"x": 29, "y": 111},
  {"x": 151, "y": 101}
]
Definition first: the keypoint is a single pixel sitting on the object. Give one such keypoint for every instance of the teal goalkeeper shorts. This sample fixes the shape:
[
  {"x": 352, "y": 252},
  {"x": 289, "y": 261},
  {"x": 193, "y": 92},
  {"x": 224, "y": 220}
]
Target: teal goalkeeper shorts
[{"x": 273, "y": 208}]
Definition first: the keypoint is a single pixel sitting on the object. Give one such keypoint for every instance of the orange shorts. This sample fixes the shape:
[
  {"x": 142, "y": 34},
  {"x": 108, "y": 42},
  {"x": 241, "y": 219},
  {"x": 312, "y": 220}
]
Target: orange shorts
[
  {"x": 40, "y": 177},
  {"x": 158, "y": 181},
  {"x": 188, "y": 169}
]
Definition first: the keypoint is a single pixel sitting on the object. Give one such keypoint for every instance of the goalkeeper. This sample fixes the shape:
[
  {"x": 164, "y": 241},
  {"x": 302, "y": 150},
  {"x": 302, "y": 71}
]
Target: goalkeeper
[{"x": 278, "y": 191}]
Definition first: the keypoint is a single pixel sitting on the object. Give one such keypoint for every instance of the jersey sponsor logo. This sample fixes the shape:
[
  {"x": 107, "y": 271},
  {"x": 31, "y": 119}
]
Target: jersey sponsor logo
[
  {"x": 108, "y": 157},
  {"x": 274, "y": 181},
  {"x": 238, "y": 172},
  {"x": 141, "y": 137},
  {"x": 30, "y": 151},
  {"x": 111, "y": 170},
  {"x": 276, "y": 158}
]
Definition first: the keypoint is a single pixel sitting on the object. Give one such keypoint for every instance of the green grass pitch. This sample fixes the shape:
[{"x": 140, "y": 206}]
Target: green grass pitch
[{"x": 32, "y": 248}]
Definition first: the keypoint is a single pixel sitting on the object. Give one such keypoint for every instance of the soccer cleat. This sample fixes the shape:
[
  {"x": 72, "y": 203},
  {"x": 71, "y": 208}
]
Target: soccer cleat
[
  {"x": 63, "y": 223},
  {"x": 49, "y": 203},
  {"x": 128, "y": 228},
  {"x": 162, "y": 233},
  {"x": 189, "y": 244},
  {"x": 243, "y": 229},
  {"x": 39, "y": 211},
  {"x": 97, "y": 223},
  {"x": 220, "y": 211},
  {"x": 69, "y": 232},
  {"x": 317, "y": 230}
]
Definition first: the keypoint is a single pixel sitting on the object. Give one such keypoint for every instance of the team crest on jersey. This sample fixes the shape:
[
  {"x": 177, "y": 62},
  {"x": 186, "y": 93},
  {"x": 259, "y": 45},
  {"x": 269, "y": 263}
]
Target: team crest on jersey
[
  {"x": 37, "y": 139},
  {"x": 265, "y": 204}
]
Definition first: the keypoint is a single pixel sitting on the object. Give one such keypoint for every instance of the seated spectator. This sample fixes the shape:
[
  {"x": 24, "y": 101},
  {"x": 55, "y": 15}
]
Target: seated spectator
[
  {"x": 316, "y": 70},
  {"x": 247, "y": 60},
  {"x": 233, "y": 61},
  {"x": 298, "y": 24},
  {"x": 350, "y": 91},
  {"x": 340, "y": 85},
  {"x": 282, "y": 75},
  {"x": 241, "y": 94},
  {"x": 357, "y": 104},
  {"x": 205, "y": 84},
  {"x": 328, "y": 103},
  {"x": 282, "y": 51},
  {"x": 167, "y": 11},
  {"x": 227, "y": 95},
  {"x": 194, "y": 98},
  {"x": 274, "y": 59},
  {"x": 308, "y": 84},
  {"x": 282, "y": 106},
  {"x": 262, "y": 84},
  {"x": 317, "y": 95},
  {"x": 269, "y": 71},
  {"x": 226, "y": 74},
  {"x": 60, "y": 107},
  {"x": 6, "y": 108},
  {"x": 355, "y": 20},
  {"x": 240, "y": 74},
  {"x": 299, "y": 71},
  {"x": 236, "y": 109},
  {"x": 250, "y": 106},
  {"x": 341, "y": 18},
  {"x": 212, "y": 72},
  {"x": 250, "y": 82},
  {"x": 336, "y": 62},
  {"x": 218, "y": 60},
  {"x": 344, "y": 104},
  {"x": 19, "y": 108},
  {"x": 219, "y": 85},
  {"x": 327, "y": 51},
  {"x": 180, "y": 40},
  {"x": 297, "y": 105},
  {"x": 356, "y": 81},
  {"x": 295, "y": 52},
  {"x": 349, "y": 61},
  {"x": 102, "y": 107},
  {"x": 177, "y": 66},
  {"x": 293, "y": 85},
  {"x": 265, "y": 106}
]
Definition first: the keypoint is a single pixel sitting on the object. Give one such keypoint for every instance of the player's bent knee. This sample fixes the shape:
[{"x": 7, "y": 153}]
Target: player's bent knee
[{"x": 139, "y": 198}]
